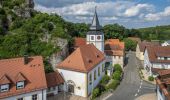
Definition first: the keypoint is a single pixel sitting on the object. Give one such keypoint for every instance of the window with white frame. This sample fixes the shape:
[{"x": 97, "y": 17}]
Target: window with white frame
[
  {"x": 34, "y": 97},
  {"x": 20, "y": 85},
  {"x": 92, "y": 37},
  {"x": 4, "y": 88}
]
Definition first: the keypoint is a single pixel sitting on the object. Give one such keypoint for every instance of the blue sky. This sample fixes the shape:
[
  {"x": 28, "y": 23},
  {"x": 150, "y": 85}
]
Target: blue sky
[{"x": 129, "y": 13}]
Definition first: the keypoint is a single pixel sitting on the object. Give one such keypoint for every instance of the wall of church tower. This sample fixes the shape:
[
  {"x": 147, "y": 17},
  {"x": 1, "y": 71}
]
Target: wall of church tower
[{"x": 97, "y": 40}]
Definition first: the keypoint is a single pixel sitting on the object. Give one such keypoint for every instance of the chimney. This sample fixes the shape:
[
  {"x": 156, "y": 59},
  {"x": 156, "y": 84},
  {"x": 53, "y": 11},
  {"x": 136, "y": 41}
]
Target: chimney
[{"x": 26, "y": 59}]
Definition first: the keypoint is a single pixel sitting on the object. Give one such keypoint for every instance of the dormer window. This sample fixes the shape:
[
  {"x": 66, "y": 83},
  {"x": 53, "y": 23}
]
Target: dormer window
[
  {"x": 20, "y": 85},
  {"x": 4, "y": 88}
]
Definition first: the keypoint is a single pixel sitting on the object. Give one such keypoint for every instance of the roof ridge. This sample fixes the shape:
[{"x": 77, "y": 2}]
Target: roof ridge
[{"x": 82, "y": 57}]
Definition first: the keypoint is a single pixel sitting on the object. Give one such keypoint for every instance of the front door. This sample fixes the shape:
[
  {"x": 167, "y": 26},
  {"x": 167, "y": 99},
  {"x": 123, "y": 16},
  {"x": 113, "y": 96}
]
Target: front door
[{"x": 70, "y": 88}]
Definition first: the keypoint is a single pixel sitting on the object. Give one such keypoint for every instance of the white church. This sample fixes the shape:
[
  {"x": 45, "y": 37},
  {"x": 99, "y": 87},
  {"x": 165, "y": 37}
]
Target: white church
[{"x": 84, "y": 68}]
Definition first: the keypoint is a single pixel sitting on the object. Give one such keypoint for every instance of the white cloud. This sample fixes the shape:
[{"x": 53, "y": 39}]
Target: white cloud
[
  {"x": 110, "y": 18},
  {"x": 136, "y": 10},
  {"x": 159, "y": 15}
]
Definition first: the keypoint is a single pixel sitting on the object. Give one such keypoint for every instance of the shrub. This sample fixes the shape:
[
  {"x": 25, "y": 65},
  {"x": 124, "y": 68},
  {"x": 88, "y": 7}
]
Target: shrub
[
  {"x": 95, "y": 93},
  {"x": 113, "y": 84},
  {"x": 105, "y": 79},
  {"x": 117, "y": 67},
  {"x": 116, "y": 75},
  {"x": 102, "y": 88},
  {"x": 151, "y": 78}
]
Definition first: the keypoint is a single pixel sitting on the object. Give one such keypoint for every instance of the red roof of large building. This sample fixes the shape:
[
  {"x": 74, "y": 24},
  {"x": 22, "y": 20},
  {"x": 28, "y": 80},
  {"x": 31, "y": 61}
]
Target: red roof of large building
[
  {"x": 143, "y": 45},
  {"x": 54, "y": 79},
  {"x": 83, "y": 59},
  {"x": 14, "y": 70},
  {"x": 158, "y": 51},
  {"x": 78, "y": 41},
  {"x": 114, "y": 47}
]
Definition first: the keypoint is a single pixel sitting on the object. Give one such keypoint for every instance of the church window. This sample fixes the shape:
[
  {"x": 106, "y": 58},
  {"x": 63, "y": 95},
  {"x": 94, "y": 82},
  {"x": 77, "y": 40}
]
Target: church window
[
  {"x": 98, "y": 37},
  {"x": 95, "y": 75},
  {"x": 92, "y": 37},
  {"x": 90, "y": 79},
  {"x": 98, "y": 71},
  {"x": 102, "y": 67}
]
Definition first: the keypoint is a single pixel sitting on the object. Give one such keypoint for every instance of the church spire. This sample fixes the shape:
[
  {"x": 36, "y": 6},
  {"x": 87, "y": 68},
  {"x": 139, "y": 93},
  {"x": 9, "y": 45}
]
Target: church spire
[{"x": 95, "y": 22}]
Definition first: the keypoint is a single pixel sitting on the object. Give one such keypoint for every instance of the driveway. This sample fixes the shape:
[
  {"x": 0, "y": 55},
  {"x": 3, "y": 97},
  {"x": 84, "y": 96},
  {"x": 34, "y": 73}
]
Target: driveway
[{"x": 131, "y": 86}]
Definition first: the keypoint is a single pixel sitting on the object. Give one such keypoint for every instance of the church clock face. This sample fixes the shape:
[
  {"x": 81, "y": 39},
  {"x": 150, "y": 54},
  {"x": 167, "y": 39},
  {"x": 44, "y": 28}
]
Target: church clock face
[{"x": 98, "y": 37}]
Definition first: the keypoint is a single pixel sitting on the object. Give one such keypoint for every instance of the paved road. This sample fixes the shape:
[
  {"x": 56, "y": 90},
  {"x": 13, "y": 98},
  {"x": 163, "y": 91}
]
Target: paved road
[{"x": 131, "y": 86}]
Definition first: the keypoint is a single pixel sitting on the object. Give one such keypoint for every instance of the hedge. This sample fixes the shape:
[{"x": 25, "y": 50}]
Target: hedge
[
  {"x": 113, "y": 85},
  {"x": 117, "y": 67},
  {"x": 116, "y": 75},
  {"x": 95, "y": 93},
  {"x": 105, "y": 80}
]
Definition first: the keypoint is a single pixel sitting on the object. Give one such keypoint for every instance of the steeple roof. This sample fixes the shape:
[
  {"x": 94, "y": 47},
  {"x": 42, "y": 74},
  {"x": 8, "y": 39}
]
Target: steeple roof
[{"x": 95, "y": 22}]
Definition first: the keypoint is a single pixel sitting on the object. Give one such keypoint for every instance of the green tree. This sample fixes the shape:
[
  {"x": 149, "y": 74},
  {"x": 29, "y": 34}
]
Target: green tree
[{"x": 130, "y": 45}]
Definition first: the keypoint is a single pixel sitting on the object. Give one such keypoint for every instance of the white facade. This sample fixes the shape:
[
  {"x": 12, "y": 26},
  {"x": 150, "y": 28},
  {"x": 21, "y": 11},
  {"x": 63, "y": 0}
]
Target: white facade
[
  {"x": 92, "y": 84},
  {"x": 139, "y": 54},
  {"x": 148, "y": 65},
  {"x": 166, "y": 43},
  {"x": 115, "y": 60},
  {"x": 41, "y": 95},
  {"x": 52, "y": 90},
  {"x": 97, "y": 40},
  {"x": 80, "y": 81},
  {"x": 160, "y": 95}
]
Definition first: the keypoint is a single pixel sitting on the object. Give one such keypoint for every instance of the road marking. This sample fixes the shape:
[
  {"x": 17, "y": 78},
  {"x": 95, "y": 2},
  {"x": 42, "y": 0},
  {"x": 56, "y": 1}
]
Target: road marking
[
  {"x": 136, "y": 94},
  {"x": 138, "y": 90},
  {"x": 140, "y": 86}
]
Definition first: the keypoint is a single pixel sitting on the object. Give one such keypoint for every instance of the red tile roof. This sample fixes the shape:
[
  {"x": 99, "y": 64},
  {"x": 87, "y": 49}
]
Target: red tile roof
[
  {"x": 79, "y": 42},
  {"x": 4, "y": 80},
  {"x": 163, "y": 82},
  {"x": 114, "y": 47},
  {"x": 20, "y": 77},
  {"x": 143, "y": 45},
  {"x": 83, "y": 59},
  {"x": 13, "y": 70},
  {"x": 154, "y": 51},
  {"x": 54, "y": 79}
]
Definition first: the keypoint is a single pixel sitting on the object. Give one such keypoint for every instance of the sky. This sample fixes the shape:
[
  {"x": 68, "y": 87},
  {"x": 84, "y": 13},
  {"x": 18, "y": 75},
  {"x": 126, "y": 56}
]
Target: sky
[{"x": 129, "y": 13}]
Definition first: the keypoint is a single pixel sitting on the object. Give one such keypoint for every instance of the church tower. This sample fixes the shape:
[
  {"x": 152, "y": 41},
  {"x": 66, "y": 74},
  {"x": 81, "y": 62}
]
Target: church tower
[{"x": 95, "y": 34}]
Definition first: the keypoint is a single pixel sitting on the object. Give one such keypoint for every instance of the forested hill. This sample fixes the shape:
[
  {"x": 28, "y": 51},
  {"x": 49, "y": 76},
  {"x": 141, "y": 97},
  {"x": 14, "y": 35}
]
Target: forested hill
[
  {"x": 155, "y": 33},
  {"x": 25, "y": 31}
]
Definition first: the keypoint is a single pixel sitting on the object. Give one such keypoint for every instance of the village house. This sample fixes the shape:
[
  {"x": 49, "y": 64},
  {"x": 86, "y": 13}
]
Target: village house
[
  {"x": 114, "y": 50},
  {"x": 55, "y": 83},
  {"x": 141, "y": 47},
  {"x": 163, "y": 85},
  {"x": 156, "y": 58},
  {"x": 166, "y": 43},
  {"x": 24, "y": 79}
]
